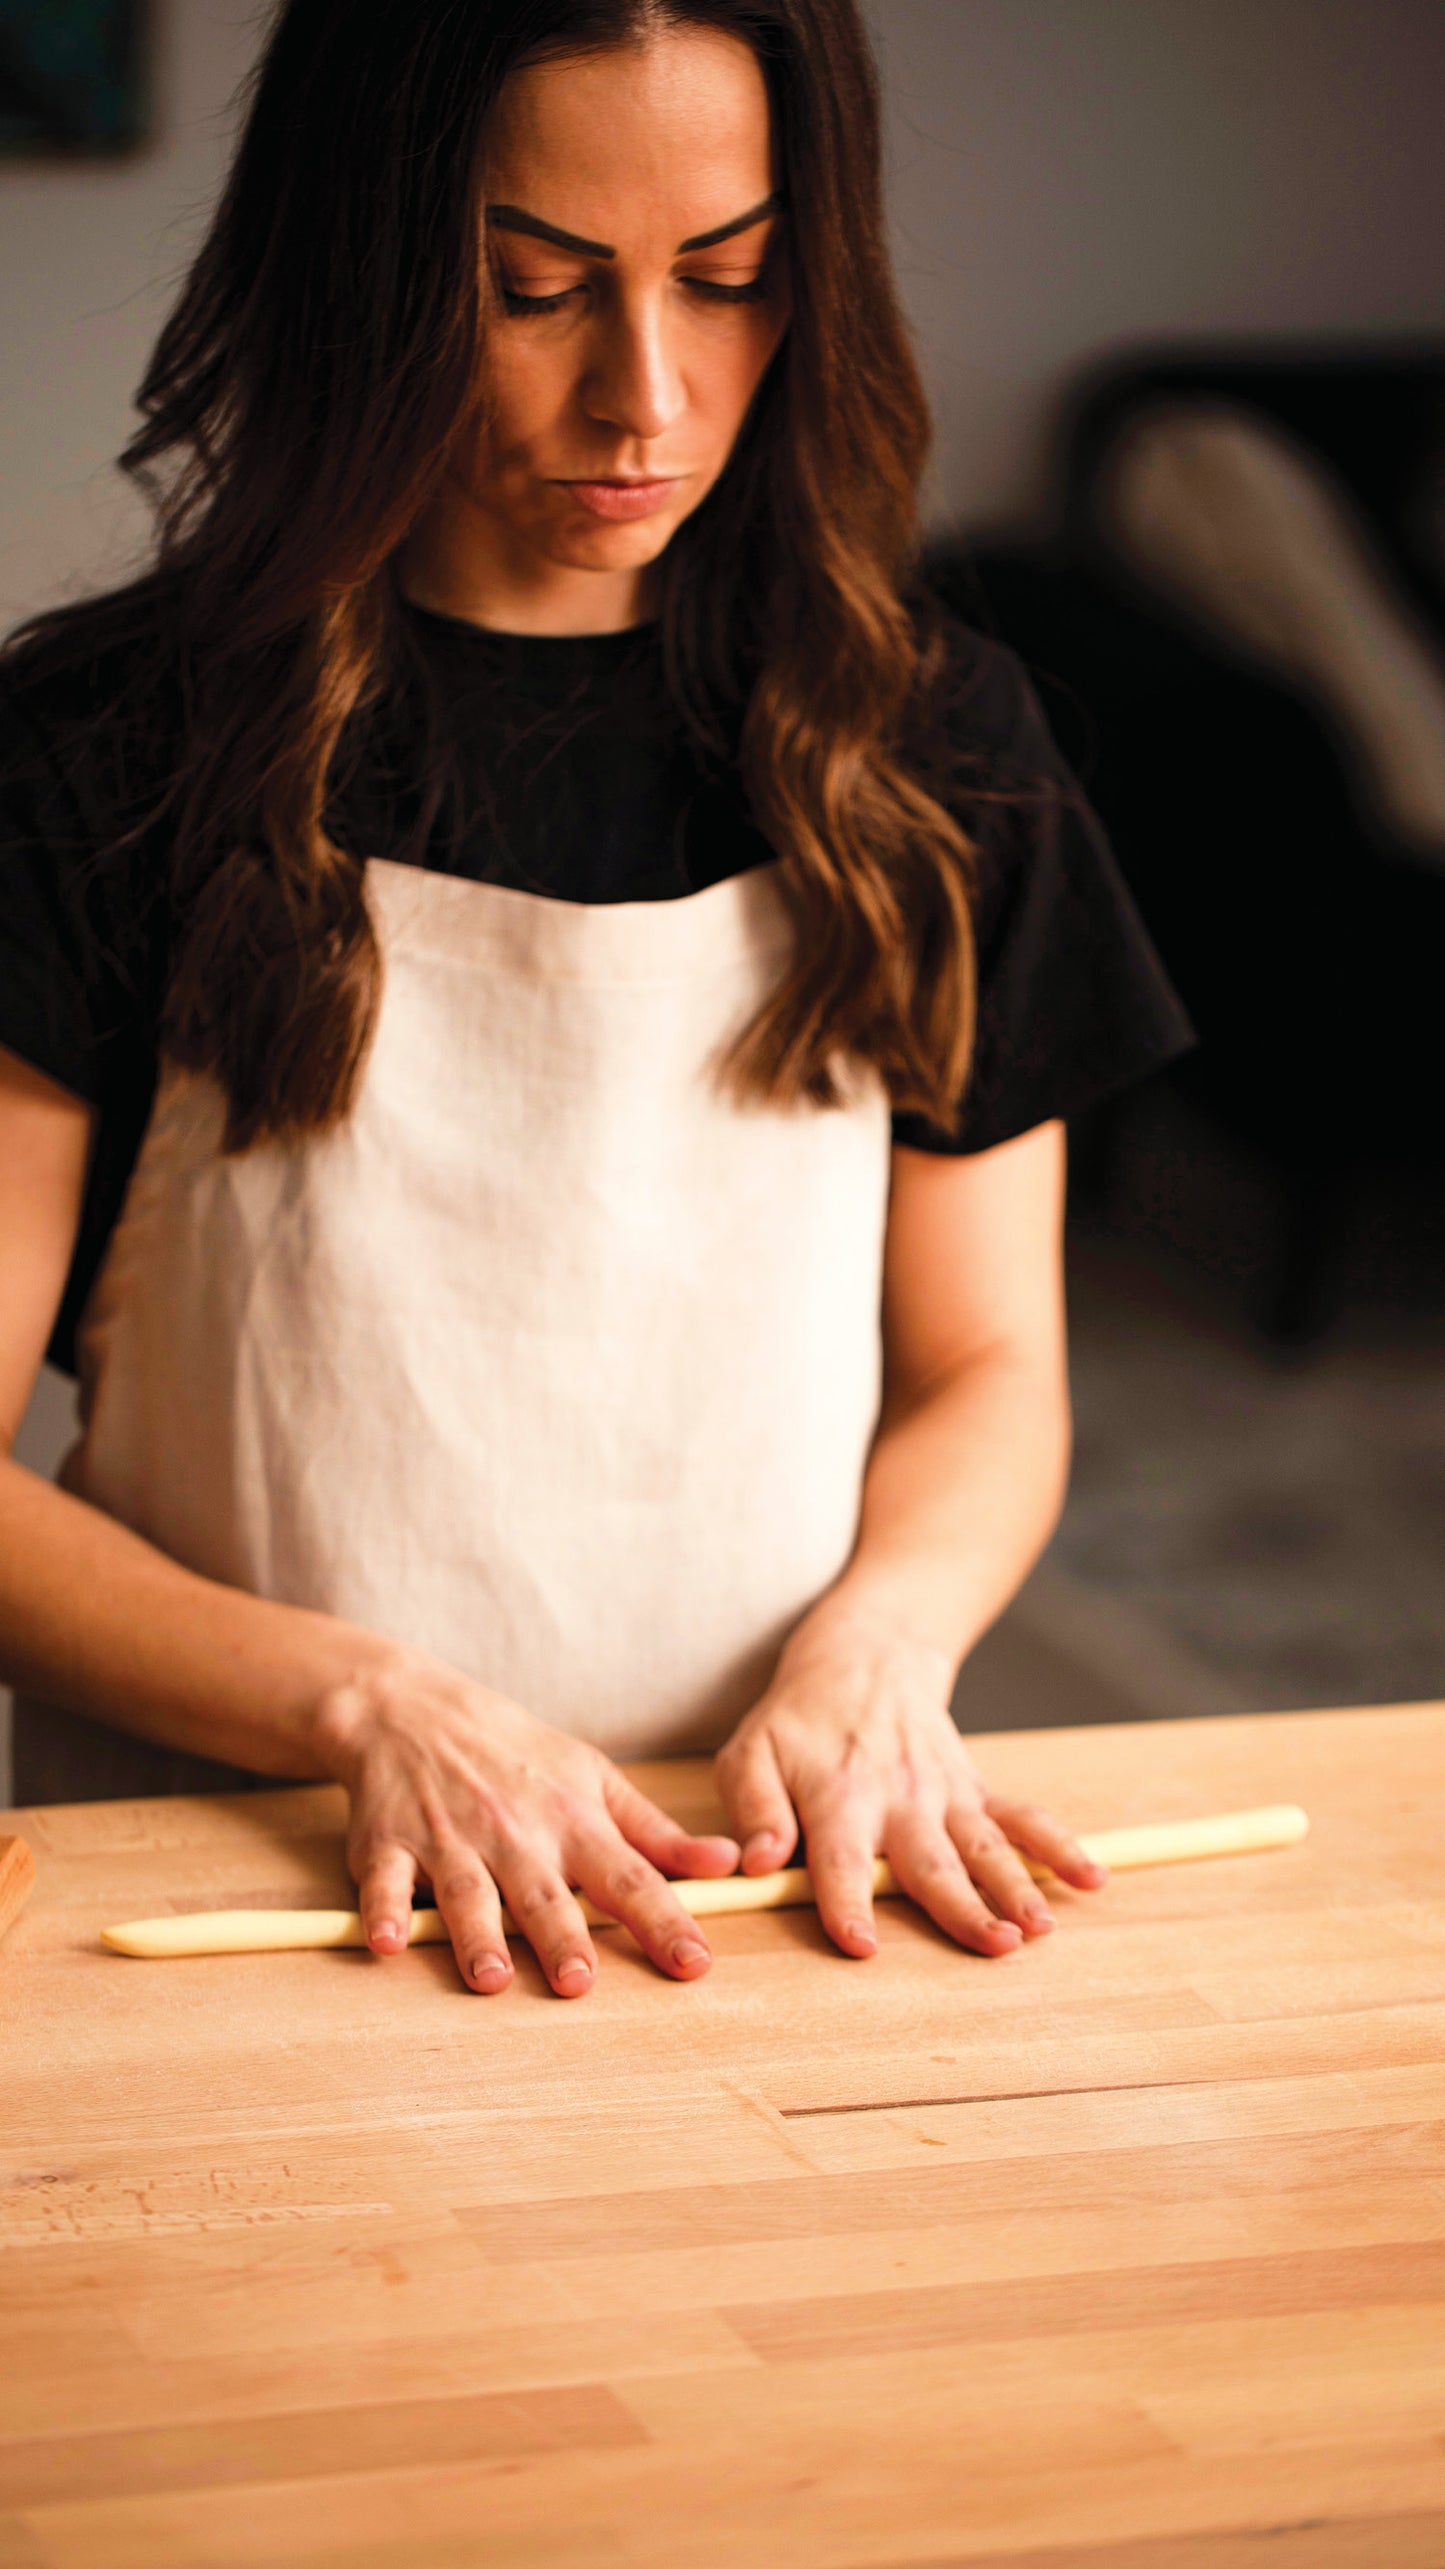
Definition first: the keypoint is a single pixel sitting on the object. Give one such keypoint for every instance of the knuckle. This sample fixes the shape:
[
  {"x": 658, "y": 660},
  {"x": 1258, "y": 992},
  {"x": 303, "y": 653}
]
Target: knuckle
[
  {"x": 830, "y": 1864},
  {"x": 939, "y": 1864},
  {"x": 945, "y": 1870},
  {"x": 460, "y": 1882},
  {"x": 381, "y": 1856},
  {"x": 742, "y": 1748},
  {"x": 532, "y": 1900},
  {"x": 628, "y": 1878},
  {"x": 986, "y": 1841},
  {"x": 370, "y": 1844}
]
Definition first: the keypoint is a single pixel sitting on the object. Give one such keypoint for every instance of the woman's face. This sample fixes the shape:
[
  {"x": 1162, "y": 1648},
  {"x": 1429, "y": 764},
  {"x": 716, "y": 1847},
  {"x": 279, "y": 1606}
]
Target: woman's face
[{"x": 637, "y": 296}]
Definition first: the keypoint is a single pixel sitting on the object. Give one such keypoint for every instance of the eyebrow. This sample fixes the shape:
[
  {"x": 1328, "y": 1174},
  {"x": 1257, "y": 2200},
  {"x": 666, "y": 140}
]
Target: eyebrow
[{"x": 512, "y": 218}]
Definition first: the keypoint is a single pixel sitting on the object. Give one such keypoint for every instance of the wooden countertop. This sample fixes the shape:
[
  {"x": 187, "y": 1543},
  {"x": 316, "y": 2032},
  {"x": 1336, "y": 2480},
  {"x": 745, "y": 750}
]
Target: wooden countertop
[{"x": 1127, "y": 2251}]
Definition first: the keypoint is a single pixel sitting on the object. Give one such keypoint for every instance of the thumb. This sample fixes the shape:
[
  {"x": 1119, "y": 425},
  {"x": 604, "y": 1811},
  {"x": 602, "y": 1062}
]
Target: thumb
[{"x": 756, "y": 1801}]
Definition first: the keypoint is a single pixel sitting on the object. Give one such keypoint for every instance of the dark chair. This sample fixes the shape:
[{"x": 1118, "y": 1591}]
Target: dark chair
[{"x": 1305, "y": 932}]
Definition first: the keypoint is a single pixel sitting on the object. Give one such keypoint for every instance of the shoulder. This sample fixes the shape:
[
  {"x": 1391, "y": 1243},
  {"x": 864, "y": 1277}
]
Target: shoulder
[
  {"x": 88, "y": 737},
  {"x": 981, "y": 744},
  {"x": 91, "y": 712},
  {"x": 977, "y": 724},
  {"x": 1073, "y": 1002}
]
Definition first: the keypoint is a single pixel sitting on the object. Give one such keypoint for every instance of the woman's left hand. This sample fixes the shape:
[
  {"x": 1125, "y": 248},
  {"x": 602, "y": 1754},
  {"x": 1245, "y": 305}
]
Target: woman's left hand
[{"x": 854, "y": 1743}]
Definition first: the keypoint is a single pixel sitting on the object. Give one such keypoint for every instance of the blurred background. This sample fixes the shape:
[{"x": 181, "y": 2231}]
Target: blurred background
[{"x": 1177, "y": 273}]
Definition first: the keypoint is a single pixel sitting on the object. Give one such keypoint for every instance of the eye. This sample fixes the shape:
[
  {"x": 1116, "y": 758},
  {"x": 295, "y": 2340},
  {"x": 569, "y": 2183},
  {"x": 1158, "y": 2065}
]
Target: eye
[
  {"x": 513, "y": 301},
  {"x": 712, "y": 292}
]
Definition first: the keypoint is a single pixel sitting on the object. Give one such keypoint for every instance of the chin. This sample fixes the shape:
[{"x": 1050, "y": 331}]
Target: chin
[{"x": 613, "y": 548}]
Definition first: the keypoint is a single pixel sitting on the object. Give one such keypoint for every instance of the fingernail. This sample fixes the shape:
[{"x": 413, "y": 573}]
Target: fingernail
[
  {"x": 490, "y": 1971},
  {"x": 571, "y": 1974},
  {"x": 1040, "y": 1920},
  {"x": 689, "y": 1953},
  {"x": 858, "y": 1934},
  {"x": 385, "y": 1931},
  {"x": 1005, "y": 1927}
]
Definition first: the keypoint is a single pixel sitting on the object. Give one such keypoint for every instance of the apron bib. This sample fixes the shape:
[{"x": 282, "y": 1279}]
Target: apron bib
[{"x": 552, "y": 1361}]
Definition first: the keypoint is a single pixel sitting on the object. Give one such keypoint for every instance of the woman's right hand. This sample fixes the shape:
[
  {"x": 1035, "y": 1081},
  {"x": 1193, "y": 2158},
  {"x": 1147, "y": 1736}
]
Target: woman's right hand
[{"x": 456, "y": 1786}]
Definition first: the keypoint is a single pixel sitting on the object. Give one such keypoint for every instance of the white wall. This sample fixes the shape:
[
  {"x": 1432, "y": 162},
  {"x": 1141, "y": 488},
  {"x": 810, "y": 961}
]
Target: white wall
[
  {"x": 89, "y": 256},
  {"x": 1070, "y": 174}
]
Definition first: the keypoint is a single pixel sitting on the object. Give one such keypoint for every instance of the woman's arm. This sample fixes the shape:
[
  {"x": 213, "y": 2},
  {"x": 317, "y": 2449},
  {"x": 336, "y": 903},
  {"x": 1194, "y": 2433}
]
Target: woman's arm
[
  {"x": 91, "y": 1616},
  {"x": 446, "y": 1780},
  {"x": 854, "y": 1739},
  {"x": 970, "y": 1462}
]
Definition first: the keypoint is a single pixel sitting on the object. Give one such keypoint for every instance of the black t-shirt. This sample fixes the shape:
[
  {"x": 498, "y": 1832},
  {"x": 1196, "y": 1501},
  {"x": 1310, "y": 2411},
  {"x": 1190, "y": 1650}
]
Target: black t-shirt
[{"x": 570, "y": 776}]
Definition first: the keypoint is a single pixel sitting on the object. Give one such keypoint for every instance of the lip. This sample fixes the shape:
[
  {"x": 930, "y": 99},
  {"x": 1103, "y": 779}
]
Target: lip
[{"x": 620, "y": 500}]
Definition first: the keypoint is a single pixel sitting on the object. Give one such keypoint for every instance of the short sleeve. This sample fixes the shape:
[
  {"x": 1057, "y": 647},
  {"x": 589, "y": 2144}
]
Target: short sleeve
[
  {"x": 51, "y": 1008},
  {"x": 81, "y": 957},
  {"x": 1073, "y": 1001}
]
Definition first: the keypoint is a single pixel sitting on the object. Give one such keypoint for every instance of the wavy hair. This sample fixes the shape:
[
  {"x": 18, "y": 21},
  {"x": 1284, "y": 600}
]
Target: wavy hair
[{"x": 328, "y": 344}]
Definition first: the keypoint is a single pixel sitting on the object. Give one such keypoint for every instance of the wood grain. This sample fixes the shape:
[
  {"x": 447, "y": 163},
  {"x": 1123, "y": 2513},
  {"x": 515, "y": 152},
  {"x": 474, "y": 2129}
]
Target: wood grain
[
  {"x": 1127, "y": 2252},
  {"x": 17, "y": 1878},
  {"x": 312, "y": 2443},
  {"x": 1372, "y": 2542},
  {"x": 1098, "y": 2299}
]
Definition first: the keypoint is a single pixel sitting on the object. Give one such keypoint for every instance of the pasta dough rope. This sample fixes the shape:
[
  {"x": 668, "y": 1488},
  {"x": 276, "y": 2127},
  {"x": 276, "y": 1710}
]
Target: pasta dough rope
[{"x": 294, "y": 1930}]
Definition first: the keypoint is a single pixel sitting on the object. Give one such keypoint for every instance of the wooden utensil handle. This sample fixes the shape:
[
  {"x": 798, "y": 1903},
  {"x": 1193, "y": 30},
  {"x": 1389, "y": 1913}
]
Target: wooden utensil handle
[{"x": 292, "y": 1930}]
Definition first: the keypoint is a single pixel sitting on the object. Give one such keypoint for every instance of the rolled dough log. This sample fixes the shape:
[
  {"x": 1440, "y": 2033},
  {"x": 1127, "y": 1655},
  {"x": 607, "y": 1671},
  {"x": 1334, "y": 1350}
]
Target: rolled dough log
[{"x": 227, "y": 1931}]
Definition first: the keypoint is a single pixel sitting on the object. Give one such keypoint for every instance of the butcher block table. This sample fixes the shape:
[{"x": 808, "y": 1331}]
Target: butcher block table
[{"x": 1126, "y": 2251}]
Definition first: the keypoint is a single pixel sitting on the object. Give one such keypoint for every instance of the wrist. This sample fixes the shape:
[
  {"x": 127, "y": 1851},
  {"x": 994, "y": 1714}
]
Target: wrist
[
  {"x": 360, "y": 1698},
  {"x": 863, "y": 1619}
]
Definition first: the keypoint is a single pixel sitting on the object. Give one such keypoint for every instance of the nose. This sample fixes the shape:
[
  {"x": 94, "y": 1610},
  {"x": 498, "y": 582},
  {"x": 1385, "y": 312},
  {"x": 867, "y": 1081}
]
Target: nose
[{"x": 635, "y": 381}]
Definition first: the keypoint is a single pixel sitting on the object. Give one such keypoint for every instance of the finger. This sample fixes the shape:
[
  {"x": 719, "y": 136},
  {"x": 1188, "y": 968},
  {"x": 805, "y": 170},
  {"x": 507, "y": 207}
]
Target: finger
[
  {"x": 757, "y": 1802},
  {"x": 544, "y": 1911},
  {"x": 841, "y": 1846},
  {"x": 664, "y": 1842},
  {"x": 999, "y": 1873},
  {"x": 630, "y": 1889},
  {"x": 1042, "y": 1838},
  {"x": 469, "y": 1902},
  {"x": 386, "y": 1879},
  {"x": 931, "y": 1870}
]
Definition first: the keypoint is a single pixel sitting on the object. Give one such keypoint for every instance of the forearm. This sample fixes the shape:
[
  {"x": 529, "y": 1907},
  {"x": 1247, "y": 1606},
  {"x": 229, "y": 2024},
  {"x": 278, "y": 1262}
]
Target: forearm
[
  {"x": 963, "y": 1488},
  {"x": 94, "y": 1618}
]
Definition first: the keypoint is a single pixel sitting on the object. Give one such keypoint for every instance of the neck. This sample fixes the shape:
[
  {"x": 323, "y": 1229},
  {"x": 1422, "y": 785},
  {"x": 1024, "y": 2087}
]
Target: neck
[{"x": 461, "y": 561}]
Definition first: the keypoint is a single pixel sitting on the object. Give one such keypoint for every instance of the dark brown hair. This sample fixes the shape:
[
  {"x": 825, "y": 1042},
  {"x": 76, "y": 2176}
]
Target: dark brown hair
[{"x": 297, "y": 413}]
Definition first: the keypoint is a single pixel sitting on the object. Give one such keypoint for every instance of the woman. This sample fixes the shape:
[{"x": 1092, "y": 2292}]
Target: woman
[{"x": 540, "y": 995}]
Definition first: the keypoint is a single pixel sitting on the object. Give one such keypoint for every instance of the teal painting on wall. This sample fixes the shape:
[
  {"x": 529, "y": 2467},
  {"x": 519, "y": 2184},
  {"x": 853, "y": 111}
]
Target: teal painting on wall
[{"x": 72, "y": 77}]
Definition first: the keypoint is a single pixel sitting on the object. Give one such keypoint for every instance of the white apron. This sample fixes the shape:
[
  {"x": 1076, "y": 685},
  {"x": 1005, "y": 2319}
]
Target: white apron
[{"x": 553, "y": 1360}]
